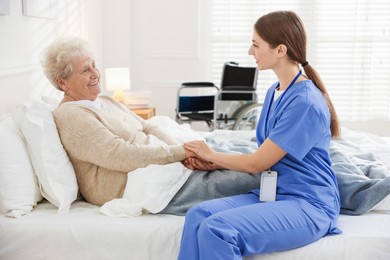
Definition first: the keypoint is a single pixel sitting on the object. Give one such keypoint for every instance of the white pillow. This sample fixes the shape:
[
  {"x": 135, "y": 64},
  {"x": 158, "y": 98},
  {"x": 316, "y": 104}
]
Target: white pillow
[
  {"x": 19, "y": 191},
  {"x": 51, "y": 163}
]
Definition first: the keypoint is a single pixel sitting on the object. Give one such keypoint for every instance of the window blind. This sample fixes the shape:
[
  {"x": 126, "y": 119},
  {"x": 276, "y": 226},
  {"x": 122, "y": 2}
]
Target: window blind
[{"x": 348, "y": 44}]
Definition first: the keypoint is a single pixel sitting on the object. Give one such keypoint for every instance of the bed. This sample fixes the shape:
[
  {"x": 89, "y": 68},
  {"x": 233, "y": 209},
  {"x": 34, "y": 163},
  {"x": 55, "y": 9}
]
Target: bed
[{"x": 42, "y": 216}]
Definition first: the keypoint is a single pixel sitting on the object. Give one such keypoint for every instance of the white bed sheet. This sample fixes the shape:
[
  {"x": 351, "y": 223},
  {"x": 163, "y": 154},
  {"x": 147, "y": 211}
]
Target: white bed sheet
[{"x": 85, "y": 233}]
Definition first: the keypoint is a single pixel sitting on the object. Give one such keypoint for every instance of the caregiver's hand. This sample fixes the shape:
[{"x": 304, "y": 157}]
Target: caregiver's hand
[{"x": 200, "y": 148}]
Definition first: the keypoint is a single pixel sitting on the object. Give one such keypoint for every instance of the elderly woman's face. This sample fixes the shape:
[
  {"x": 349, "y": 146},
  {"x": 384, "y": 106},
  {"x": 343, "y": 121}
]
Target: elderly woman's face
[{"x": 84, "y": 82}]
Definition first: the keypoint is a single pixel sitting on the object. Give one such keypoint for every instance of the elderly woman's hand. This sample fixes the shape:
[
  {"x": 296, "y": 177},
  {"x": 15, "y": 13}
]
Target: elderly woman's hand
[
  {"x": 187, "y": 163},
  {"x": 188, "y": 153},
  {"x": 195, "y": 163}
]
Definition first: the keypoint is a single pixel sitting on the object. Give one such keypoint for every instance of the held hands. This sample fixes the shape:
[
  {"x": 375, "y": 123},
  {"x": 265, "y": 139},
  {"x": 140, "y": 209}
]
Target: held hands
[
  {"x": 200, "y": 149},
  {"x": 196, "y": 154},
  {"x": 195, "y": 163}
]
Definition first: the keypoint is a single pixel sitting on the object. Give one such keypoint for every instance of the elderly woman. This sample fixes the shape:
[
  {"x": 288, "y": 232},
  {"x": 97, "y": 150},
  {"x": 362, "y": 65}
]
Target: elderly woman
[{"x": 105, "y": 140}]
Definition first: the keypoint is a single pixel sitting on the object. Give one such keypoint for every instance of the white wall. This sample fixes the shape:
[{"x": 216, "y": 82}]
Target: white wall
[
  {"x": 116, "y": 33},
  {"x": 164, "y": 43},
  {"x": 24, "y": 37},
  {"x": 161, "y": 41}
]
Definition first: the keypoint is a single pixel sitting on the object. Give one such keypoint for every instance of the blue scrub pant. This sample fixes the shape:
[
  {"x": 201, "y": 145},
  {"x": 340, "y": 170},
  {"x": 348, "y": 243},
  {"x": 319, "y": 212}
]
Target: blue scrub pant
[{"x": 233, "y": 227}]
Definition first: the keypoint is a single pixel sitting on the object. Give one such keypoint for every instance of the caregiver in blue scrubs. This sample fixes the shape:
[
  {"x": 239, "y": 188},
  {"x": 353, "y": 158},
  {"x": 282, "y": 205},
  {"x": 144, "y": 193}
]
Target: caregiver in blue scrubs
[{"x": 296, "y": 125}]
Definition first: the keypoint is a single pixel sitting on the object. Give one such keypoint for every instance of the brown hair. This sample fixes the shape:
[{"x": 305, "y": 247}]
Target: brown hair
[{"x": 285, "y": 27}]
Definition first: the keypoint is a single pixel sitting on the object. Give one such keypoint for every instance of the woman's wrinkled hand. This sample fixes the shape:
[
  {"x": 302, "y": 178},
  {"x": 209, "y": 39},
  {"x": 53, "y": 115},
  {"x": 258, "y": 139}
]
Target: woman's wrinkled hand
[
  {"x": 187, "y": 163},
  {"x": 188, "y": 153},
  {"x": 195, "y": 163}
]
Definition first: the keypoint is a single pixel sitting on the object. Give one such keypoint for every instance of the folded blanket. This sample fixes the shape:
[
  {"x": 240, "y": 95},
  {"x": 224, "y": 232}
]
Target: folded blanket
[{"x": 148, "y": 189}]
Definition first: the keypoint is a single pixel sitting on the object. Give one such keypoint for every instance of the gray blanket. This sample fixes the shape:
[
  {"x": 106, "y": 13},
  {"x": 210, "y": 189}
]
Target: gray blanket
[{"x": 363, "y": 179}]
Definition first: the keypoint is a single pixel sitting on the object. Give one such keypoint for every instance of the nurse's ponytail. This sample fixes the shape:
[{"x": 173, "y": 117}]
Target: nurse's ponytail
[
  {"x": 312, "y": 74},
  {"x": 285, "y": 27}
]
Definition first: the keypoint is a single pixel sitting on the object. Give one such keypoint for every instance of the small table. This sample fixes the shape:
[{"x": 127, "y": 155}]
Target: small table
[{"x": 145, "y": 113}]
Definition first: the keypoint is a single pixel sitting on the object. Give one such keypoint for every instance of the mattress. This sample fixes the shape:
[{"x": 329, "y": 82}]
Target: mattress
[{"x": 85, "y": 233}]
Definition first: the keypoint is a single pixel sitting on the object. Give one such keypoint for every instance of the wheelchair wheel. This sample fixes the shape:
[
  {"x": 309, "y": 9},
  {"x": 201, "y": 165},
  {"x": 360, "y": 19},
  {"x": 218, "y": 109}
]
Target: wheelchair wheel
[{"x": 247, "y": 117}]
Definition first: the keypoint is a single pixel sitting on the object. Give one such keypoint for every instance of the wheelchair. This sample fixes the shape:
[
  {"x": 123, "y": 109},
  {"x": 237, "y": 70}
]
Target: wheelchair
[{"x": 234, "y": 105}]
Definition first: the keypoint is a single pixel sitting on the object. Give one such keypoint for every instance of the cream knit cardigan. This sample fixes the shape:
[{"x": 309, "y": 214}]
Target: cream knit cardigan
[{"x": 105, "y": 144}]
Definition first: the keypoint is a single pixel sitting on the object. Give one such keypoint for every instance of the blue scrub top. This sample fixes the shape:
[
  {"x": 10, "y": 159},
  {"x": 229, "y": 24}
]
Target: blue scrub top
[{"x": 298, "y": 121}]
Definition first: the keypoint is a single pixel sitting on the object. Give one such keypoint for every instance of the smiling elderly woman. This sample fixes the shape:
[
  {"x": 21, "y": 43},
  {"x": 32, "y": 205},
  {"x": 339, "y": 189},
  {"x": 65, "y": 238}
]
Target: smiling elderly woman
[{"x": 105, "y": 140}]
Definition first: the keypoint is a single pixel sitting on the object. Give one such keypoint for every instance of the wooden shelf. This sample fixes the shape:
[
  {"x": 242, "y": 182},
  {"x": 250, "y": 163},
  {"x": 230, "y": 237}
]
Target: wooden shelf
[{"x": 145, "y": 113}]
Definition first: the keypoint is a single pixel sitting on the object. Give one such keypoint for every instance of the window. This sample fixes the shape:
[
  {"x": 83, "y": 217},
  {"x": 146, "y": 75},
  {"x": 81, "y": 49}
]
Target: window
[{"x": 348, "y": 44}]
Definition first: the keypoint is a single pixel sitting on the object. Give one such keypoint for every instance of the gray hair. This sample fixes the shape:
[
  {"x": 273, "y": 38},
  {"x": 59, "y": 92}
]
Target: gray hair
[{"x": 56, "y": 58}]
